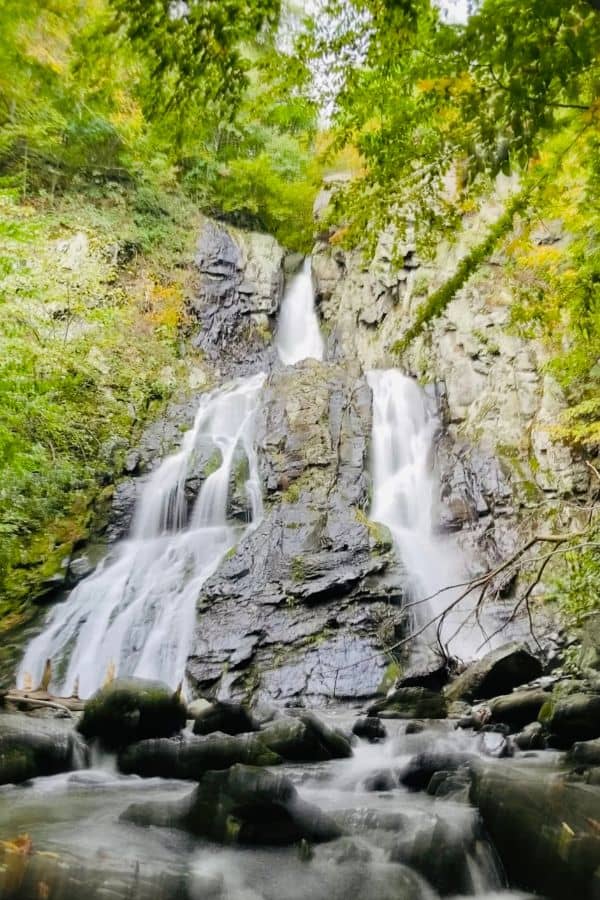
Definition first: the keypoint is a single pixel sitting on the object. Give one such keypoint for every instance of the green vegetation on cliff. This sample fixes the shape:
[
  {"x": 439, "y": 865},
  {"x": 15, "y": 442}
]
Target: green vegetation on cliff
[{"x": 92, "y": 302}]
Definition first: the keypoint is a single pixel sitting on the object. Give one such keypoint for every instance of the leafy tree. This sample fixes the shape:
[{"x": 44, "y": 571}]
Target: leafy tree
[{"x": 426, "y": 102}]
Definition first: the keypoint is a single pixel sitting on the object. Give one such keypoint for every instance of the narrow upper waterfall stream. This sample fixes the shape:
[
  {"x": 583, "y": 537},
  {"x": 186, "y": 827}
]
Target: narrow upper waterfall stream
[
  {"x": 298, "y": 333},
  {"x": 405, "y": 499},
  {"x": 135, "y": 615}
]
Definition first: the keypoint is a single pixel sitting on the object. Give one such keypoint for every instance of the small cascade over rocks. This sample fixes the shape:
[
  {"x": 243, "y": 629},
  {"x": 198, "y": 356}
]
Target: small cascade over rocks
[
  {"x": 298, "y": 334},
  {"x": 135, "y": 615},
  {"x": 405, "y": 492}
]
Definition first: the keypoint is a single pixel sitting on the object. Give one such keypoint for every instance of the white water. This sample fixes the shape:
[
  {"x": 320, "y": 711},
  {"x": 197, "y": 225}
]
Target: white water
[
  {"x": 298, "y": 333},
  {"x": 404, "y": 498},
  {"x": 135, "y": 615}
]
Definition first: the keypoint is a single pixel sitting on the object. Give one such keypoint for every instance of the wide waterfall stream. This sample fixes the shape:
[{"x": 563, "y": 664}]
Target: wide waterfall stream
[
  {"x": 405, "y": 499},
  {"x": 135, "y": 616}
]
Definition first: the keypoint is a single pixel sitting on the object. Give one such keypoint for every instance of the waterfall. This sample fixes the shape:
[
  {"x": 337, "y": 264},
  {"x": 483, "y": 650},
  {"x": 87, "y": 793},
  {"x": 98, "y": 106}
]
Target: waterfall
[
  {"x": 405, "y": 493},
  {"x": 298, "y": 333},
  {"x": 136, "y": 613}
]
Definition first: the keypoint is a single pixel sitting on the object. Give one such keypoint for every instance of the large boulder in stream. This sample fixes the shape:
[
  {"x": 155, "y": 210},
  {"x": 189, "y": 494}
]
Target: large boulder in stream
[
  {"x": 229, "y": 718},
  {"x": 31, "y": 746},
  {"x": 305, "y": 738},
  {"x": 190, "y": 756},
  {"x": 498, "y": 672},
  {"x": 242, "y": 805},
  {"x": 575, "y": 717},
  {"x": 132, "y": 709},
  {"x": 585, "y": 753},
  {"x": 410, "y": 703},
  {"x": 517, "y": 709},
  {"x": 545, "y": 828}
]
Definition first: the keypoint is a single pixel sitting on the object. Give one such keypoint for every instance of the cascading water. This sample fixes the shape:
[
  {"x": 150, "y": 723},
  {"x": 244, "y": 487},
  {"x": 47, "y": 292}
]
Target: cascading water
[
  {"x": 298, "y": 333},
  {"x": 404, "y": 499},
  {"x": 136, "y": 613}
]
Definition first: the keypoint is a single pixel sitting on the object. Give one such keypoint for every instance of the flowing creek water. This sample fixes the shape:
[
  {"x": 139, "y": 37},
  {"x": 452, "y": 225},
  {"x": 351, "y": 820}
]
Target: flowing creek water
[{"x": 136, "y": 614}]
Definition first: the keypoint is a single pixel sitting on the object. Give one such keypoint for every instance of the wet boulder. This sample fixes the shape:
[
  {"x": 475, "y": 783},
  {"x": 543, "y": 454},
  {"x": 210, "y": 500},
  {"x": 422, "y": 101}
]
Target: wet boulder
[
  {"x": 224, "y": 716},
  {"x": 433, "y": 675},
  {"x": 244, "y": 805},
  {"x": 543, "y": 826},
  {"x": 305, "y": 738},
  {"x": 496, "y": 673},
  {"x": 420, "y": 769},
  {"x": 189, "y": 756},
  {"x": 31, "y": 746},
  {"x": 585, "y": 753},
  {"x": 530, "y": 738},
  {"x": 132, "y": 709},
  {"x": 517, "y": 709},
  {"x": 370, "y": 728},
  {"x": 441, "y": 853},
  {"x": 410, "y": 703},
  {"x": 380, "y": 780},
  {"x": 575, "y": 717}
]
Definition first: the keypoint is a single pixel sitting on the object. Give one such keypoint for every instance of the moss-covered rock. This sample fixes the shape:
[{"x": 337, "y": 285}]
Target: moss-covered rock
[
  {"x": 411, "y": 703},
  {"x": 575, "y": 717},
  {"x": 132, "y": 709},
  {"x": 190, "y": 756}
]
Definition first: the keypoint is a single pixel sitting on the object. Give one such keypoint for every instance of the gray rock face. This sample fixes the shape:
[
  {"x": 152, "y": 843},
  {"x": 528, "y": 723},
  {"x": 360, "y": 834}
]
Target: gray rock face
[
  {"x": 240, "y": 285},
  {"x": 304, "y": 604}
]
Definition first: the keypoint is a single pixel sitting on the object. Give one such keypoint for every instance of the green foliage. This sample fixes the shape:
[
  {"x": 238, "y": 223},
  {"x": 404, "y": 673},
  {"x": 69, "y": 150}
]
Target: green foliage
[
  {"x": 437, "y": 111},
  {"x": 142, "y": 93},
  {"x": 577, "y": 588},
  {"x": 82, "y": 362}
]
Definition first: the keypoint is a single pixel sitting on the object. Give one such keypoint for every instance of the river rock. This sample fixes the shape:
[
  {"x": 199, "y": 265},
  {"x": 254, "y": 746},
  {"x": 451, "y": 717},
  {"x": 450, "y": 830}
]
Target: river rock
[
  {"x": 585, "y": 753},
  {"x": 31, "y": 746},
  {"x": 305, "y": 739},
  {"x": 420, "y": 769},
  {"x": 132, "y": 709},
  {"x": 189, "y": 756},
  {"x": 242, "y": 805},
  {"x": 230, "y": 718},
  {"x": 517, "y": 709},
  {"x": 498, "y": 672},
  {"x": 370, "y": 728},
  {"x": 575, "y": 717},
  {"x": 410, "y": 703},
  {"x": 531, "y": 737},
  {"x": 543, "y": 826},
  {"x": 433, "y": 676}
]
